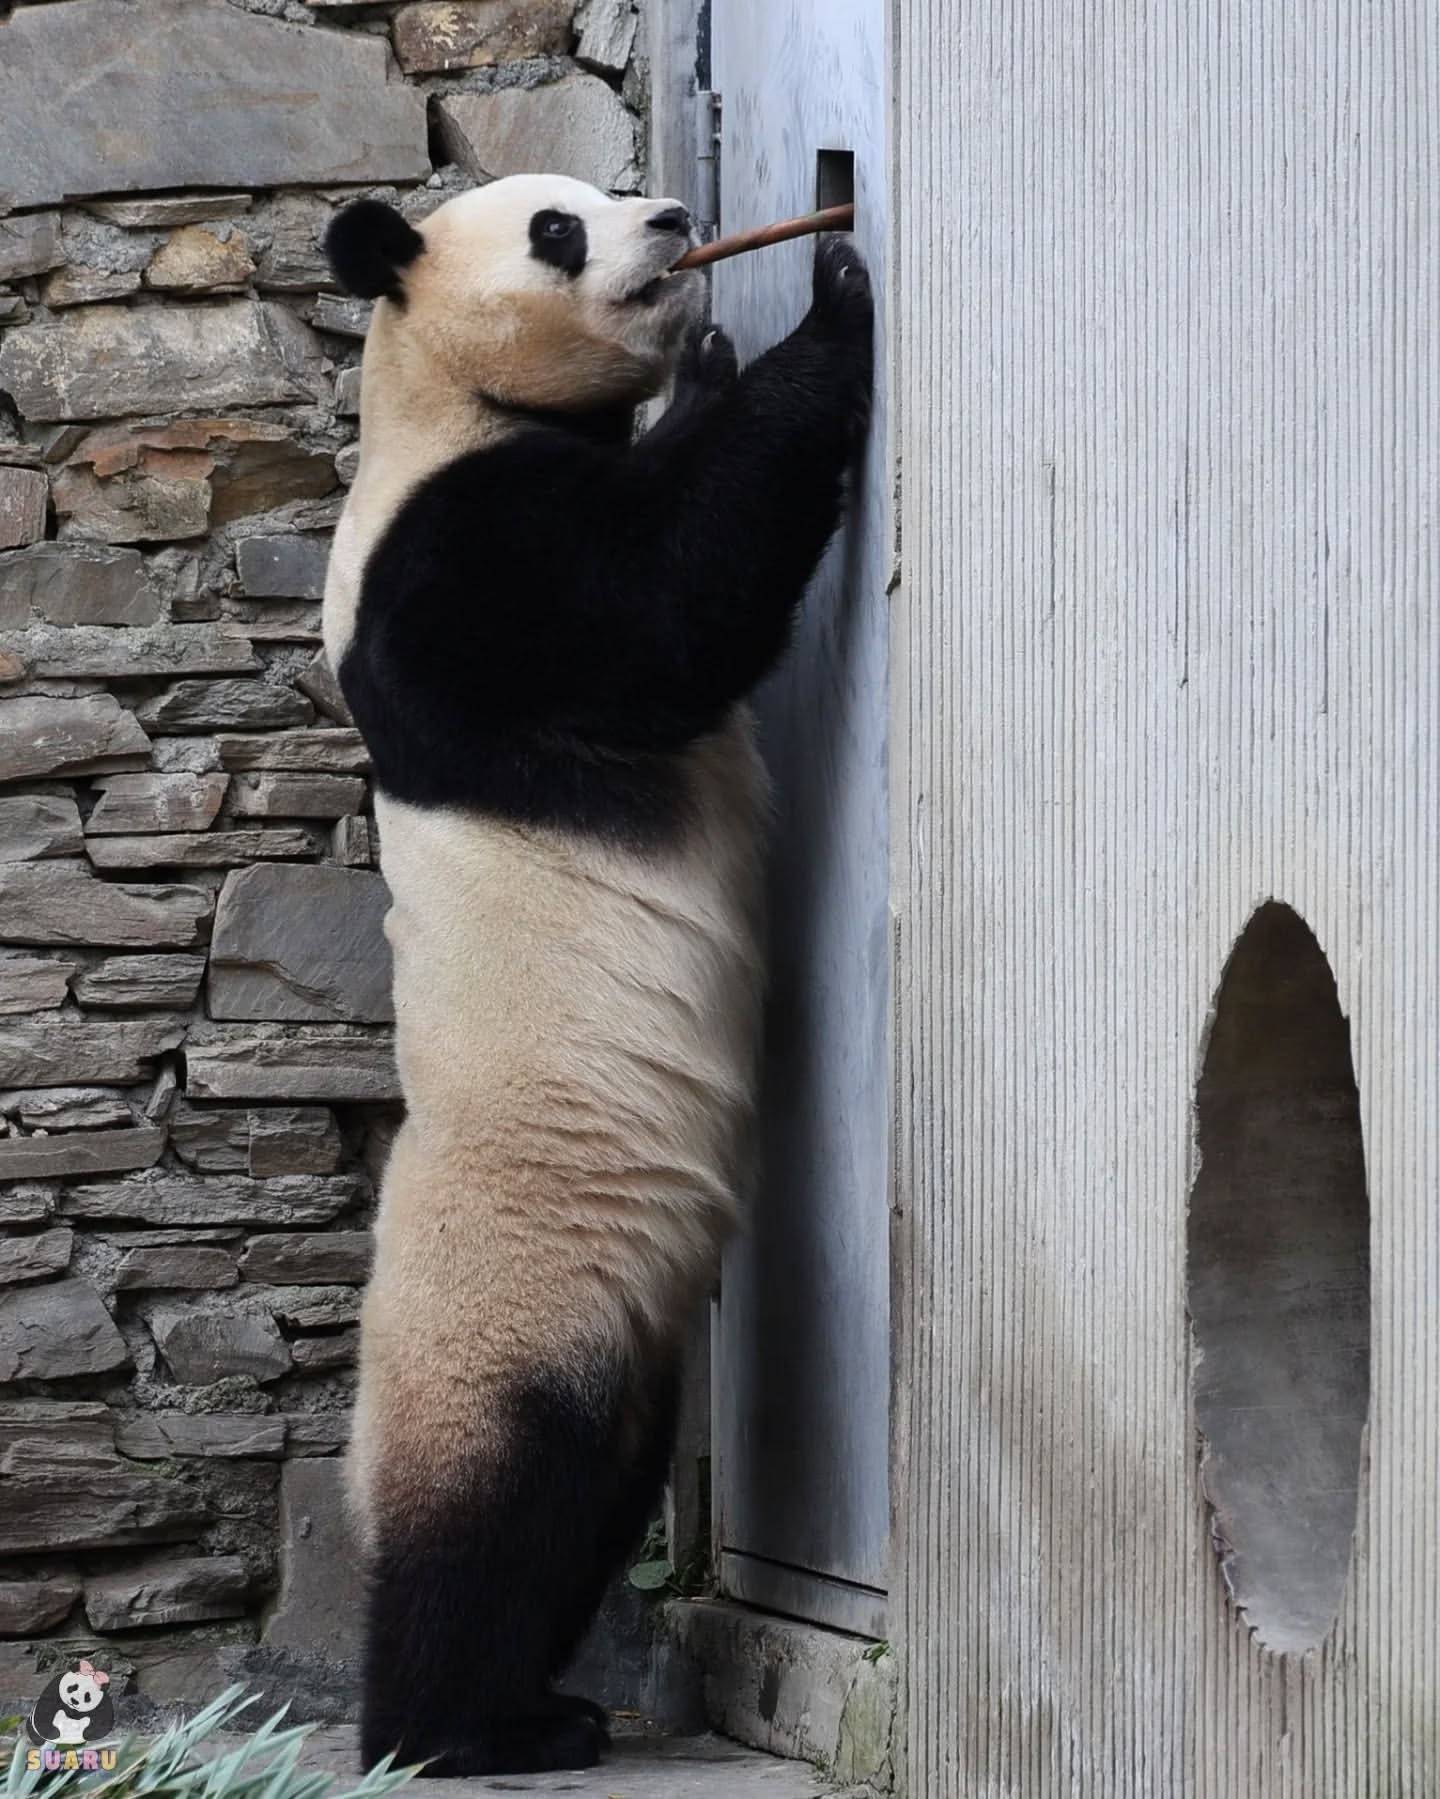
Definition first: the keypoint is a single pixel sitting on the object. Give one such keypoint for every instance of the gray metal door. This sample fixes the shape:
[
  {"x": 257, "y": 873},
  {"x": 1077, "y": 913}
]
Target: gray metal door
[{"x": 802, "y": 1351}]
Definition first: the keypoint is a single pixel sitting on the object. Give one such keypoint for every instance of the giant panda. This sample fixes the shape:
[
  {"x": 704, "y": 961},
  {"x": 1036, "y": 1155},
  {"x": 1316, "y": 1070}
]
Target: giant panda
[{"x": 547, "y": 628}]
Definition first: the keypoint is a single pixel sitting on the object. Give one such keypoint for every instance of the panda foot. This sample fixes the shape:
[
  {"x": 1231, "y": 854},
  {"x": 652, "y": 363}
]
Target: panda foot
[
  {"x": 536, "y": 1745},
  {"x": 572, "y": 1705}
]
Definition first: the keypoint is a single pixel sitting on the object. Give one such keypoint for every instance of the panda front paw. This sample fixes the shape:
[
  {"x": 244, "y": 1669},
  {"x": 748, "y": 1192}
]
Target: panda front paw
[
  {"x": 708, "y": 364},
  {"x": 843, "y": 304}
]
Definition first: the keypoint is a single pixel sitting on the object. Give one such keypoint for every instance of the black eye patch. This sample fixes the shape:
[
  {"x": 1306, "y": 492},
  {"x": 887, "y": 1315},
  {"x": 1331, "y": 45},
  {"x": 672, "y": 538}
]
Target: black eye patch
[{"x": 559, "y": 239}]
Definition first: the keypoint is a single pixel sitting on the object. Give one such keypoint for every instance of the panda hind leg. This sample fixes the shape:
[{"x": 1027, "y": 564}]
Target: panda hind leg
[{"x": 476, "y": 1608}]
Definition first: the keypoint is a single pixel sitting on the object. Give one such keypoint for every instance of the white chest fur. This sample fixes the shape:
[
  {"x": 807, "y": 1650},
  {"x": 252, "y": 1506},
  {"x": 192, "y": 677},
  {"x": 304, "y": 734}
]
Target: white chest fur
[{"x": 577, "y": 1023}]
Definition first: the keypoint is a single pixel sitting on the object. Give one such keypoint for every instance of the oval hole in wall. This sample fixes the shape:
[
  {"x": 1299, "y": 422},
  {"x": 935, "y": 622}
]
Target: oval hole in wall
[{"x": 1279, "y": 1282}]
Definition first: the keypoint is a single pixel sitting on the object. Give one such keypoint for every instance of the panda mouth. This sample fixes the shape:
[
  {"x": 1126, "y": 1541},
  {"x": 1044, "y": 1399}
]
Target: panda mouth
[{"x": 649, "y": 293}]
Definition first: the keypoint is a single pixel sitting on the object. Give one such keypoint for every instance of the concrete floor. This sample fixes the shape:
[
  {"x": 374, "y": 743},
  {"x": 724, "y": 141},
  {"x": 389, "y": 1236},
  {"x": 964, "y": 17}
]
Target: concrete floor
[{"x": 638, "y": 1767}]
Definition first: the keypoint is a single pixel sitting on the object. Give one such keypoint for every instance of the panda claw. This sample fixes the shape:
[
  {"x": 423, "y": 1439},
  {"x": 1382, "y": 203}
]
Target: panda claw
[
  {"x": 843, "y": 301},
  {"x": 708, "y": 365}
]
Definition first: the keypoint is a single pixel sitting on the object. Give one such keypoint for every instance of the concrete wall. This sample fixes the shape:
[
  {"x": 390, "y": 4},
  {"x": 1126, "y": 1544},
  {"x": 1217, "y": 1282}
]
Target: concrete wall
[
  {"x": 1166, "y": 649},
  {"x": 196, "y": 1087}
]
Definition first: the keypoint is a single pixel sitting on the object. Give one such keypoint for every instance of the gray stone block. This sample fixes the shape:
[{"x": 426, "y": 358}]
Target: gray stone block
[
  {"x": 199, "y": 259},
  {"x": 226, "y": 1436},
  {"x": 265, "y": 1140},
  {"x": 577, "y": 126},
  {"x": 214, "y": 1139},
  {"x": 322, "y": 1595},
  {"x": 199, "y": 849},
  {"x": 190, "y": 706},
  {"x": 294, "y": 261},
  {"x": 316, "y": 1355},
  {"x": 177, "y": 1236},
  {"x": 24, "y": 500},
  {"x": 341, "y": 316},
  {"x": 316, "y": 1433},
  {"x": 293, "y": 1140},
  {"x": 35, "y": 1257},
  {"x": 182, "y": 1591},
  {"x": 350, "y": 843},
  {"x": 315, "y": 751},
  {"x": 68, "y": 1108},
  {"x": 435, "y": 36},
  {"x": 314, "y": 1308},
  {"x": 32, "y": 984},
  {"x": 100, "y": 361},
  {"x": 347, "y": 393},
  {"x": 228, "y": 98},
  {"x": 42, "y": 736},
  {"x": 58, "y": 1329},
  {"x": 162, "y": 1091},
  {"x": 607, "y": 34},
  {"x": 27, "y": 1202},
  {"x": 30, "y": 244},
  {"x": 159, "y": 1196},
  {"x": 69, "y": 1431},
  {"x": 160, "y": 212},
  {"x": 33, "y": 825},
  {"x": 28, "y": 1606},
  {"x": 156, "y": 802},
  {"x": 169, "y": 982},
  {"x": 277, "y": 621},
  {"x": 79, "y": 286},
  {"x": 80, "y": 1152},
  {"x": 304, "y": 943},
  {"x": 94, "y": 1507},
  {"x": 43, "y": 1052},
  {"x": 791, "y": 1688},
  {"x": 201, "y": 1266},
  {"x": 306, "y": 1257},
  {"x": 78, "y": 584},
  {"x": 201, "y": 1347},
  {"x": 296, "y": 795},
  {"x": 62, "y": 903},
  {"x": 132, "y": 483},
  {"x": 291, "y": 1063},
  {"x": 286, "y": 568},
  {"x": 111, "y": 652},
  {"x": 318, "y": 681}
]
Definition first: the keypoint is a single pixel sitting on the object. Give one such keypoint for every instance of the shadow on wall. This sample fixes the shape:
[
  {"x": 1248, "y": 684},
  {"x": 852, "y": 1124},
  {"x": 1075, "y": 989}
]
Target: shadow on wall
[{"x": 1279, "y": 1282}]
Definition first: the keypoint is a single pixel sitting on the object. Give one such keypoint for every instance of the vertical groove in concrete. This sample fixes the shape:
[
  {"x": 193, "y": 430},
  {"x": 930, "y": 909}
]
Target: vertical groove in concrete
[{"x": 1167, "y": 645}]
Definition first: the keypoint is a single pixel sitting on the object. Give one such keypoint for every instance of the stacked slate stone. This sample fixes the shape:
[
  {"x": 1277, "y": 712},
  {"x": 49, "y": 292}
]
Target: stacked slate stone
[{"x": 196, "y": 1078}]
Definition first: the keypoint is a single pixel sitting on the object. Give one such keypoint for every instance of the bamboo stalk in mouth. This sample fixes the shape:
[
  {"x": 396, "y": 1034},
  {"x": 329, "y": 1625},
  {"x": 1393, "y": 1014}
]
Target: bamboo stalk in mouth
[{"x": 739, "y": 243}]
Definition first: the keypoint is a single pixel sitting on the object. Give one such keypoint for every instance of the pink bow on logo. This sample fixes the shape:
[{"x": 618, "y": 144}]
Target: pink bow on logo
[{"x": 98, "y": 1675}]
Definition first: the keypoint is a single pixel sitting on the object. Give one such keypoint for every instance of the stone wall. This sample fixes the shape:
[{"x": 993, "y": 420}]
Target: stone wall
[{"x": 196, "y": 1083}]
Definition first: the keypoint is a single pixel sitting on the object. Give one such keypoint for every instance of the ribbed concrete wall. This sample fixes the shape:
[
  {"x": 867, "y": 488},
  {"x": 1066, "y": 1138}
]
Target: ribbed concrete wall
[{"x": 1166, "y": 646}]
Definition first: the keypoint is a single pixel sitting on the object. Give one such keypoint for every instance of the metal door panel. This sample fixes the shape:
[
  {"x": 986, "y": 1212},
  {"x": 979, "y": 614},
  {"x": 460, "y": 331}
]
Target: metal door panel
[{"x": 802, "y": 1346}]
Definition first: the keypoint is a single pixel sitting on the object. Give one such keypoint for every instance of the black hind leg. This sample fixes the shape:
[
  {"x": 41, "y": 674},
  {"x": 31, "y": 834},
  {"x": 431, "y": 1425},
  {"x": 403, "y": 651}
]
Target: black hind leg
[{"x": 482, "y": 1588}]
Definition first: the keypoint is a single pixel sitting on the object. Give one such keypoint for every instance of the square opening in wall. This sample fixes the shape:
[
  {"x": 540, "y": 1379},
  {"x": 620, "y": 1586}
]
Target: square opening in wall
[{"x": 834, "y": 177}]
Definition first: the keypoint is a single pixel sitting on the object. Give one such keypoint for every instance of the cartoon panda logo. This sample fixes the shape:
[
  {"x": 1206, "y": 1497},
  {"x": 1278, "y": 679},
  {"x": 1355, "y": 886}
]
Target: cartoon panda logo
[{"x": 74, "y": 1709}]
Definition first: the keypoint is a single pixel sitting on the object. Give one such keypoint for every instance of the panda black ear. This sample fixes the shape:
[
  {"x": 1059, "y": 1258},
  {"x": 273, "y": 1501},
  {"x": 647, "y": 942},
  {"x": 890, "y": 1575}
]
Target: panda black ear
[{"x": 368, "y": 245}]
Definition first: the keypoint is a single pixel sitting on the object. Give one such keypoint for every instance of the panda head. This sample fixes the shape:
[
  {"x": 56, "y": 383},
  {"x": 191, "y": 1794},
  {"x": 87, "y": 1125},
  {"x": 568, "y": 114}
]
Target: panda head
[
  {"x": 535, "y": 291},
  {"x": 82, "y": 1691}
]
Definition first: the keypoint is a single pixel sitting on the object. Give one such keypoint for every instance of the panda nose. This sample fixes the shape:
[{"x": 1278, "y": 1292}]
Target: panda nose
[{"x": 674, "y": 218}]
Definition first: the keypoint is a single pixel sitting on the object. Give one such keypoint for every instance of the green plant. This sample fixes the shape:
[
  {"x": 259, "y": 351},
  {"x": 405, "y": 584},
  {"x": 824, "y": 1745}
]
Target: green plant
[
  {"x": 264, "y": 1765},
  {"x": 654, "y": 1571}
]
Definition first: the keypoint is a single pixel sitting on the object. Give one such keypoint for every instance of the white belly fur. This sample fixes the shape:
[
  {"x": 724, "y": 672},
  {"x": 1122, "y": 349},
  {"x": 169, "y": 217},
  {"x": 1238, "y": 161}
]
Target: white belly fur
[{"x": 577, "y": 1031}]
